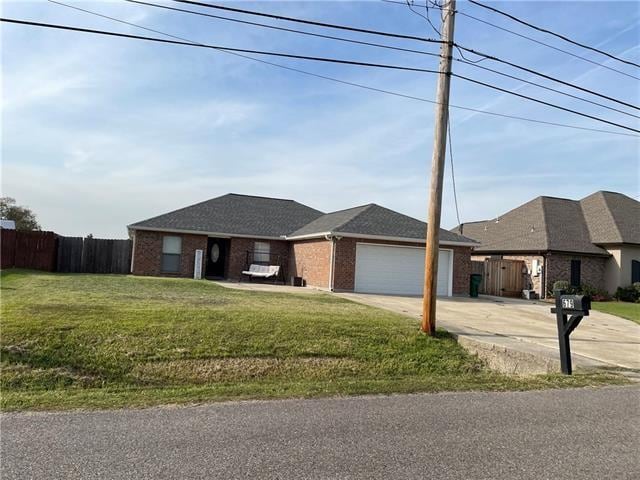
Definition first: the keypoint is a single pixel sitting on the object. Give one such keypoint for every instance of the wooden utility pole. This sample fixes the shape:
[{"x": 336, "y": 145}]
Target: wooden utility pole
[{"x": 437, "y": 170}]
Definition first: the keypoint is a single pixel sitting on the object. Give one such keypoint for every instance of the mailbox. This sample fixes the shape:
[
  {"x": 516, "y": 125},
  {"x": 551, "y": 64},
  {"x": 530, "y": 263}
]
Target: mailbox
[
  {"x": 575, "y": 303},
  {"x": 569, "y": 310}
]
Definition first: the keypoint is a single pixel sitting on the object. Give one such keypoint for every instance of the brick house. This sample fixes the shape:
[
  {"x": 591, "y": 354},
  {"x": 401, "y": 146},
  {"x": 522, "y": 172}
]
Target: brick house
[
  {"x": 364, "y": 249},
  {"x": 593, "y": 241}
]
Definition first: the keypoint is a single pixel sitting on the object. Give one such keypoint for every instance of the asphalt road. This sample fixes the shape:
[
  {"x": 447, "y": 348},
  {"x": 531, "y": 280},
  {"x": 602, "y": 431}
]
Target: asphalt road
[{"x": 556, "y": 434}]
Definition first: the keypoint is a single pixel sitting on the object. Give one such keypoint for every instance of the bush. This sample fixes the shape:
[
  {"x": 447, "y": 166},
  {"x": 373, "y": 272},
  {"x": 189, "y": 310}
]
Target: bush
[
  {"x": 628, "y": 294},
  {"x": 596, "y": 294},
  {"x": 560, "y": 285}
]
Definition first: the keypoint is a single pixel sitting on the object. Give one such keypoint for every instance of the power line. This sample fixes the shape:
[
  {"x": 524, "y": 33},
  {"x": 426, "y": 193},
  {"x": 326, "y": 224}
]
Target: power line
[
  {"x": 304, "y": 72},
  {"x": 550, "y": 32},
  {"x": 504, "y": 90},
  {"x": 182, "y": 41},
  {"x": 531, "y": 39},
  {"x": 311, "y": 22},
  {"x": 273, "y": 27},
  {"x": 547, "y": 88},
  {"x": 407, "y": 37},
  {"x": 372, "y": 44},
  {"x": 214, "y": 47},
  {"x": 548, "y": 77}
]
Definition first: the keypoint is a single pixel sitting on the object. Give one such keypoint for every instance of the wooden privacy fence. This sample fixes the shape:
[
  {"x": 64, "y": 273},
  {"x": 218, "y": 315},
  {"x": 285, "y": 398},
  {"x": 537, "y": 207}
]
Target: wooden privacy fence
[
  {"x": 93, "y": 255},
  {"x": 50, "y": 252},
  {"x": 35, "y": 250},
  {"x": 503, "y": 278}
]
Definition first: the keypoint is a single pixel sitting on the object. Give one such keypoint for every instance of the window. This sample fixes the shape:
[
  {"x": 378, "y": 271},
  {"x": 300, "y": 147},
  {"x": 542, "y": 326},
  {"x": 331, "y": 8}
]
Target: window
[
  {"x": 575, "y": 273},
  {"x": 171, "y": 250},
  {"x": 635, "y": 271},
  {"x": 261, "y": 252}
]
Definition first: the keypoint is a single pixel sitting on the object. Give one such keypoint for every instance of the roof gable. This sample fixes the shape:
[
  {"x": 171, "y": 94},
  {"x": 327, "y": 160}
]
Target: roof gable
[{"x": 373, "y": 220}]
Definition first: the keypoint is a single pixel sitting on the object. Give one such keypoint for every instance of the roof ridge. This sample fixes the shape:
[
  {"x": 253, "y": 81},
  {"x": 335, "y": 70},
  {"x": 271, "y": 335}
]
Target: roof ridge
[
  {"x": 260, "y": 196},
  {"x": 366, "y": 207}
]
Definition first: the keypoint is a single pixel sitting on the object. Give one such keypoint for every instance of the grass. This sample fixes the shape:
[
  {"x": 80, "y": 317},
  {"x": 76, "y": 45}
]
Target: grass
[
  {"x": 630, "y": 311},
  {"x": 107, "y": 341}
]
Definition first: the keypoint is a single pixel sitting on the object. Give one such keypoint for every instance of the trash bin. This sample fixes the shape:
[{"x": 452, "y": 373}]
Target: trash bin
[{"x": 474, "y": 284}]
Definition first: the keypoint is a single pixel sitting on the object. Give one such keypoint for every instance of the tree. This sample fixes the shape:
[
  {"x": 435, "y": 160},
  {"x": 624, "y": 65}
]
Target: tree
[{"x": 25, "y": 219}]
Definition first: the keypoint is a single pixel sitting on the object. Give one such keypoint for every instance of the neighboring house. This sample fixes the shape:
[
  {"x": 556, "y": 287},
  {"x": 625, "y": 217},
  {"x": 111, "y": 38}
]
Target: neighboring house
[
  {"x": 364, "y": 249},
  {"x": 7, "y": 224},
  {"x": 593, "y": 241}
]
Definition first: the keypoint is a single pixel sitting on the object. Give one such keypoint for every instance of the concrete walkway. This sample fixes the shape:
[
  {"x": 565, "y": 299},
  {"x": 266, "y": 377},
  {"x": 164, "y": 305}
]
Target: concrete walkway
[{"x": 524, "y": 332}]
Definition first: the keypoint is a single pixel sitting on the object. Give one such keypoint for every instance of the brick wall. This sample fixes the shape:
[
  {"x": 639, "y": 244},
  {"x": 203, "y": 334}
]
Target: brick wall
[
  {"x": 237, "y": 256},
  {"x": 309, "y": 259},
  {"x": 461, "y": 269},
  {"x": 592, "y": 269},
  {"x": 147, "y": 253},
  {"x": 345, "y": 271}
]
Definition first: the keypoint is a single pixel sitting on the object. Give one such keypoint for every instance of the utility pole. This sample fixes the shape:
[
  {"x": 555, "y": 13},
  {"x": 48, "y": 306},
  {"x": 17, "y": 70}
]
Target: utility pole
[{"x": 437, "y": 170}]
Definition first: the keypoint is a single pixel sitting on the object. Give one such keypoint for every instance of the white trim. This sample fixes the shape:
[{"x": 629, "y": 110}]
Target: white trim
[
  {"x": 332, "y": 263},
  {"x": 380, "y": 237},
  {"x": 133, "y": 252},
  {"x": 209, "y": 234},
  {"x": 307, "y": 237},
  {"x": 449, "y": 286}
]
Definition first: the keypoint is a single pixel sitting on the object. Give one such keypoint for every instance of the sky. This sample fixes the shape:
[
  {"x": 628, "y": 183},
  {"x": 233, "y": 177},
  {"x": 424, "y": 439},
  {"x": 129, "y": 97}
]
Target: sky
[{"x": 100, "y": 132}]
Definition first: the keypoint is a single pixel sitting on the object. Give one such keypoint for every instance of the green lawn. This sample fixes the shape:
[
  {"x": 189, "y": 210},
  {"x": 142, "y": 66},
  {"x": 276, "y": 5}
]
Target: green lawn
[
  {"x": 105, "y": 341},
  {"x": 630, "y": 311}
]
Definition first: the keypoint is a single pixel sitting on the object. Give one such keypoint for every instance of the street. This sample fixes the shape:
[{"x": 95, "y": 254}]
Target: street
[{"x": 555, "y": 434}]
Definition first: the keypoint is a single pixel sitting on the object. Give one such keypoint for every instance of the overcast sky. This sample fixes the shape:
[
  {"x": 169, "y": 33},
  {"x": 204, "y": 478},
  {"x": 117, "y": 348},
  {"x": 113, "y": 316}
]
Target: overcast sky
[{"x": 100, "y": 132}]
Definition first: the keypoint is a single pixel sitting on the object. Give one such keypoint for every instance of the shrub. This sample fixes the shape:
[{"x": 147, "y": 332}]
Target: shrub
[
  {"x": 560, "y": 285},
  {"x": 628, "y": 294}
]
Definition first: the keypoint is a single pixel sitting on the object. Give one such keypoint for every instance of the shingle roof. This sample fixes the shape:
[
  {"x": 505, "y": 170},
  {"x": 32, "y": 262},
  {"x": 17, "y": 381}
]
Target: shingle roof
[
  {"x": 560, "y": 224},
  {"x": 612, "y": 218},
  {"x": 235, "y": 214},
  {"x": 373, "y": 220}
]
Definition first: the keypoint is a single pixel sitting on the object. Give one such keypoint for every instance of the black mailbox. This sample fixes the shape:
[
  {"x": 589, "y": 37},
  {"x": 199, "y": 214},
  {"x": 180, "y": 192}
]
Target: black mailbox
[
  {"x": 575, "y": 303},
  {"x": 570, "y": 309}
]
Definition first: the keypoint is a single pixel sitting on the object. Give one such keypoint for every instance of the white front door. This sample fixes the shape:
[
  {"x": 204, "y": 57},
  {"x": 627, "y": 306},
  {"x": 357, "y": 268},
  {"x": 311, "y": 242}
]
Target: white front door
[{"x": 398, "y": 270}]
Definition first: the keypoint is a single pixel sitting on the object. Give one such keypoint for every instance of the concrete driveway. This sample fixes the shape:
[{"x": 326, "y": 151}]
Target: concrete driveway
[{"x": 525, "y": 329}]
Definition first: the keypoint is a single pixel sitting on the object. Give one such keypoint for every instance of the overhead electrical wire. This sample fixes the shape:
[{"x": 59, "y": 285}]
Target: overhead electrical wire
[
  {"x": 555, "y": 34},
  {"x": 371, "y": 44},
  {"x": 531, "y": 39},
  {"x": 304, "y": 72},
  {"x": 407, "y": 37},
  {"x": 187, "y": 42}
]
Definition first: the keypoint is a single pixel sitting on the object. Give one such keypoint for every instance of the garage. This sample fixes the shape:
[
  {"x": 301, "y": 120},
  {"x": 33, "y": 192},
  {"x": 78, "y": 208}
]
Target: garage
[{"x": 398, "y": 270}]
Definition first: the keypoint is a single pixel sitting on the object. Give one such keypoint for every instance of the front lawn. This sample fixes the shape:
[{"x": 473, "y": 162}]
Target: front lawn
[
  {"x": 104, "y": 341},
  {"x": 630, "y": 311}
]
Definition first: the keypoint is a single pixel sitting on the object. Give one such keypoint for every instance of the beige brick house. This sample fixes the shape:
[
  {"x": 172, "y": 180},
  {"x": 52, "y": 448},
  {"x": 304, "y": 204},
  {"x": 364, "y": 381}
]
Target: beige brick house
[
  {"x": 364, "y": 249},
  {"x": 593, "y": 241}
]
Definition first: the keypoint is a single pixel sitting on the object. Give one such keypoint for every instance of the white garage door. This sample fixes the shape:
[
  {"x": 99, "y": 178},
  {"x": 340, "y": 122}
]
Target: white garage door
[{"x": 398, "y": 270}]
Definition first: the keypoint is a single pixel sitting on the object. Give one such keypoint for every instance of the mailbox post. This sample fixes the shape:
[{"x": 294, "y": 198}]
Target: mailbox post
[{"x": 577, "y": 306}]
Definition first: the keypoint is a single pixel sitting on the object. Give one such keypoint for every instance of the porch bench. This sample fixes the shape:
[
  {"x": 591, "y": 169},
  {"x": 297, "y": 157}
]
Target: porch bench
[{"x": 262, "y": 271}]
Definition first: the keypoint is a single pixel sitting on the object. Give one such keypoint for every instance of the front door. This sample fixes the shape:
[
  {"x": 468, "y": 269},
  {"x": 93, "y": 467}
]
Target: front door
[{"x": 216, "y": 257}]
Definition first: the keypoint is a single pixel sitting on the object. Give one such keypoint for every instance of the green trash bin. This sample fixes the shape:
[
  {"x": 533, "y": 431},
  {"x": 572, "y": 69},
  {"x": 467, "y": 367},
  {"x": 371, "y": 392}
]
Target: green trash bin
[{"x": 474, "y": 284}]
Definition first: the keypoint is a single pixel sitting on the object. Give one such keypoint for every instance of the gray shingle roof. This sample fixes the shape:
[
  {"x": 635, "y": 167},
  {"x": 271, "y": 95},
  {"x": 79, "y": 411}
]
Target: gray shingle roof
[
  {"x": 374, "y": 220},
  {"x": 237, "y": 214},
  {"x": 560, "y": 224},
  {"x": 612, "y": 218}
]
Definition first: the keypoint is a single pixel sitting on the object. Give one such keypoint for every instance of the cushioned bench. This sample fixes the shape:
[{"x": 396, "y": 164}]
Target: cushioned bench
[{"x": 262, "y": 271}]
